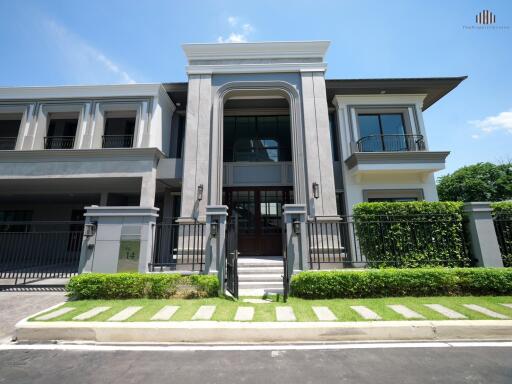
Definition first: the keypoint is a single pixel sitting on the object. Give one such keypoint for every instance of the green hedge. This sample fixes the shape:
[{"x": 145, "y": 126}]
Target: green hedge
[
  {"x": 412, "y": 234},
  {"x": 502, "y": 212},
  {"x": 402, "y": 282},
  {"x": 140, "y": 285}
]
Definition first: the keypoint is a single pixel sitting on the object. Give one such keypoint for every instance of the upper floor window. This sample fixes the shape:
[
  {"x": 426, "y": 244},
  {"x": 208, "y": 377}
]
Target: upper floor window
[
  {"x": 386, "y": 132},
  {"x": 61, "y": 132},
  {"x": 257, "y": 138},
  {"x": 9, "y": 128},
  {"x": 118, "y": 132}
]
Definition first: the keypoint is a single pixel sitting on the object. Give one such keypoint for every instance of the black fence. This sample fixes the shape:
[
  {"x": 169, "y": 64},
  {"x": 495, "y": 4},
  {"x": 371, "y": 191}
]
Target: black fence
[
  {"x": 231, "y": 249},
  {"x": 39, "y": 250},
  {"x": 178, "y": 247},
  {"x": 503, "y": 227},
  {"x": 117, "y": 141},
  {"x": 59, "y": 142},
  {"x": 388, "y": 241},
  {"x": 391, "y": 143}
]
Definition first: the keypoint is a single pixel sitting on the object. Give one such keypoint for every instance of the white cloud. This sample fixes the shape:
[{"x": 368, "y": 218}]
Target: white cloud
[
  {"x": 238, "y": 34},
  {"x": 500, "y": 122},
  {"x": 86, "y": 60}
]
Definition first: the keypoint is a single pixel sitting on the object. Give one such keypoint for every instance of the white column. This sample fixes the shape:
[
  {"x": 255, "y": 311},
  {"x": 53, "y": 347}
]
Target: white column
[
  {"x": 318, "y": 145},
  {"x": 83, "y": 124},
  {"x": 148, "y": 189},
  {"x": 196, "y": 159}
]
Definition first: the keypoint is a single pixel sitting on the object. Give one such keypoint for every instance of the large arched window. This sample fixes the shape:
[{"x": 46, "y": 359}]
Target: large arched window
[{"x": 257, "y": 138}]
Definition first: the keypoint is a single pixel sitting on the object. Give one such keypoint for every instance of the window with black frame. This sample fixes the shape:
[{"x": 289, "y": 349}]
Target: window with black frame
[
  {"x": 119, "y": 132},
  {"x": 61, "y": 133},
  {"x": 382, "y": 132},
  {"x": 257, "y": 138}
]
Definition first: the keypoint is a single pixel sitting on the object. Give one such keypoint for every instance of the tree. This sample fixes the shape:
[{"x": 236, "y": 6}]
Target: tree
[{"x": 478, "y": 182}]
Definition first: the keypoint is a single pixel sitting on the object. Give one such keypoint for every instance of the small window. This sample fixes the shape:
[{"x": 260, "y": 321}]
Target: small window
[
  {"x": 9, "y": 128},
  {"x": 392, "y": 195},
  {"x": 61, "y": 133},
  {"x": 119, "y": 132},
  {"x": 334, "y": 137},
  {"x": 391, "y": 199}
]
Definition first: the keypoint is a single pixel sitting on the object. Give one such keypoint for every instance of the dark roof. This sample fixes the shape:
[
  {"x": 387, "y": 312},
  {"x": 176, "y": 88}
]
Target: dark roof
[{"x": 434, "y": 87}]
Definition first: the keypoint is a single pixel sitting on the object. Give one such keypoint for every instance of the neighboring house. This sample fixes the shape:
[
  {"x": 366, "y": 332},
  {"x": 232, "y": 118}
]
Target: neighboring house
[{"x": 256, "y": 126}]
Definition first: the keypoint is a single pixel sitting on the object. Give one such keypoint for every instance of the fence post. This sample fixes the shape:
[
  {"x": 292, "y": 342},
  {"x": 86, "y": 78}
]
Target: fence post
[
  {"x": 483, "y": 239},
  {"x": 215, "y": 247},
  {"x": 297, "y": 244}
]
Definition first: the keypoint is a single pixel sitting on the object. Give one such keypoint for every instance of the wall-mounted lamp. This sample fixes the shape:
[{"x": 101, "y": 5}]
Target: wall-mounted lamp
[
  {"x": 200, "y": 192},
  {"x": 89, "y": 229},
  {"x": 316, "y": 190},
  {"x": 296, "y": 227},
  {"x": 214, "y": 226}
]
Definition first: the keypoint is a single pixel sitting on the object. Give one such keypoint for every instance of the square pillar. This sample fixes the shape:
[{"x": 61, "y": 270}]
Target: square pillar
[
  {"x": 296, "y": 244},
  {"x": 119, "y": 230},
  {"x": 484, "y": 242},
  {"x": 215, "y": 246}
]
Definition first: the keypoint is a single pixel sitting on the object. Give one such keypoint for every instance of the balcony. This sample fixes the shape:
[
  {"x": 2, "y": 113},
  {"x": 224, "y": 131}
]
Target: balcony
[
  {"x": 390, "y": 143},
  {"x": 394, "y": 153},
  {"x": 117, "y": 141},
  {"x": 7, "y": 143},
  {"x": 59, "y": 142}
]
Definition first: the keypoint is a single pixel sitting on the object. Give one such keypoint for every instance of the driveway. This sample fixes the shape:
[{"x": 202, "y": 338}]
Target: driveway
[{"x": 15, "y": 306}]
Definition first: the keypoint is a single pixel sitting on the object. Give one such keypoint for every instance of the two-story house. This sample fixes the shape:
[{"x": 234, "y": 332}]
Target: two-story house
[{"x": 256, "y": 126}]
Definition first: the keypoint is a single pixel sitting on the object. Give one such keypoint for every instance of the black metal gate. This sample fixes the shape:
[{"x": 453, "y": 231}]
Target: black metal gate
[
  {"x": 232, "y": 255},
  {"x": 39, "y": 250}
]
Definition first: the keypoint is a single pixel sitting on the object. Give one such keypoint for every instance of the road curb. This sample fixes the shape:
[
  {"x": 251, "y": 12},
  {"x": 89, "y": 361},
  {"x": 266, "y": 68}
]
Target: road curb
[{"x": 239, "y": 332}]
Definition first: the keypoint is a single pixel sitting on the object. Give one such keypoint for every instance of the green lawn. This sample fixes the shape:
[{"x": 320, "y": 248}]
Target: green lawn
[{"x": 226, "y": 308}]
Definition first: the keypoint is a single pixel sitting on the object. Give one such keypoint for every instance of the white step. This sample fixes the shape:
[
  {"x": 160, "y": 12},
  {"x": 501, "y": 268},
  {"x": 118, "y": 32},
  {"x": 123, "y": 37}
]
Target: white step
[
  {"x": 260, "y": 284},
  {"x": 260, "y": 277},
  {"x": 259, "y": 291},
  {"x": 260, "y": 270},
  {"x": 260, "y": 262}
]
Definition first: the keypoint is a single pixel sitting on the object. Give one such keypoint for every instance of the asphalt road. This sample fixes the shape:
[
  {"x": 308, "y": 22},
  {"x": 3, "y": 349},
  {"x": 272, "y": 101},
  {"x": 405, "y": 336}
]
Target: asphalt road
[{"x": 361, "y": 366}]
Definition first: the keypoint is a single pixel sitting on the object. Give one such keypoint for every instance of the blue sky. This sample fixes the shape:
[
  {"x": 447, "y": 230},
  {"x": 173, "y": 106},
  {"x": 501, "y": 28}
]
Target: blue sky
[{"x": 56, "y": 42}]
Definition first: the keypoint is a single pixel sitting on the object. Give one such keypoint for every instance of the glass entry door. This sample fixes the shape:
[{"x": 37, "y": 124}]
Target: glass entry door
[{"x": 259, "y": 213}]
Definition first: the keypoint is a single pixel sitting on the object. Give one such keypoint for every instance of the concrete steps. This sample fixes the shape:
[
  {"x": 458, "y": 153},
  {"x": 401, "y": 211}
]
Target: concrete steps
[{"x": 258, "y": 276}]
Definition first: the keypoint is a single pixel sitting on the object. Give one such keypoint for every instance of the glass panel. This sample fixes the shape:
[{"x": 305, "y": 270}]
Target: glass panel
[
  {"x": 393, "y": 131},
  {"x": 369, "y": 133},
  {"x": 245, "y": 206},
  {"x": 9, "y": 134},
  {"x": 271, "y": 210}
]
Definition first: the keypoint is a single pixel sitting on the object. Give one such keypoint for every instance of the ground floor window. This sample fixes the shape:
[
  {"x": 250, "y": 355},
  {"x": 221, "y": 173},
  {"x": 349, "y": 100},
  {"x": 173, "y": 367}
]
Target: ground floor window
[{"x": 392, "y": 195}]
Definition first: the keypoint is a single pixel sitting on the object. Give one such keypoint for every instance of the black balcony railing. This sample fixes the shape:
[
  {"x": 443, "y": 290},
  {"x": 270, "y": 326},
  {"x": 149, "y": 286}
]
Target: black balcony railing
[
  {"x": 59, "y": 142},
  {"x": 7, "y": 143},
  {"x": 391, "y": 143},
  {"x": 117, "y": 141}
]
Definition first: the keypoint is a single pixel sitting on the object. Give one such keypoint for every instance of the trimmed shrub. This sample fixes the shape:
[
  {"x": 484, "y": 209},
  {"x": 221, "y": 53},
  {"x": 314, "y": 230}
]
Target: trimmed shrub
[
  {"x": 502, "y": 213},
  {"x": 402, "y": 282},
  {"x": 411, "y": 234},
  {"x": 139, "y": 285}
]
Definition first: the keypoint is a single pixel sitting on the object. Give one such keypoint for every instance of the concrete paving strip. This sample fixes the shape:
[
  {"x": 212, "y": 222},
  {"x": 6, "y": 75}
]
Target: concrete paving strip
[
  {"x": 405, "y": 312},
  {"x": 165, "y": 313},
  {"x": 449, "y": 313},
  {"x": 324, "y": 314},
  {"x": 205, "y": 312},
  {"x": 485, "y": 311},
  {"x": 507, "y": 305},
  {"x": 54, "y": 314},
  {"x": 244, "y": 314},
  {"x": 257, "y": 301},
  {"x": 365, "y": 312},
  {"x": 91, "y": 313},
  {"x": 285, "y": 314},
  {"x": 125, "y": 314},
  {"x": 257, "y": 332}
]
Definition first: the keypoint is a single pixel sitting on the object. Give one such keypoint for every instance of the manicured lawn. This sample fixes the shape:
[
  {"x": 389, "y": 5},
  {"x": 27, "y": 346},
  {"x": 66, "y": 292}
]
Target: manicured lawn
[{"x": 226, "y": 308}]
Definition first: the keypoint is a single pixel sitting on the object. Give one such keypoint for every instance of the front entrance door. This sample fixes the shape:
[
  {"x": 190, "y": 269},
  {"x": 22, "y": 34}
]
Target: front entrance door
[{"x": 259, "y": 212}]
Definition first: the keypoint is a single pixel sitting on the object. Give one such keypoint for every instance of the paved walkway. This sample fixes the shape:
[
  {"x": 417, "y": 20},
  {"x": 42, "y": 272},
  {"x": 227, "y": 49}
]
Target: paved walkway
[{"x": 15, "y": 306}]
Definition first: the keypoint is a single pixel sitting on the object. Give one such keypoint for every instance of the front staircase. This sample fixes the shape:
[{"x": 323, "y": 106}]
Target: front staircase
[{"x": 258, "y": 276}]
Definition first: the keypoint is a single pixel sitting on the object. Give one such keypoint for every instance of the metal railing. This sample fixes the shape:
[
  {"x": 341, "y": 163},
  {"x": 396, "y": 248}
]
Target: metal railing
[
  {"x": 286, "y": 276},
  {"x": 231, "y": 256},
  {"x": 39, "y": 250},
  {"x": 391, "y": 143},
  {"x": 388, "y": 241},
  {"x": 178, "y": 247},
  {"x": 117, "y": 141},
  {"x": 59, "y": 142},
  {"x": 7, "y": 143},
  {"x": 503, "y": 227}
]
